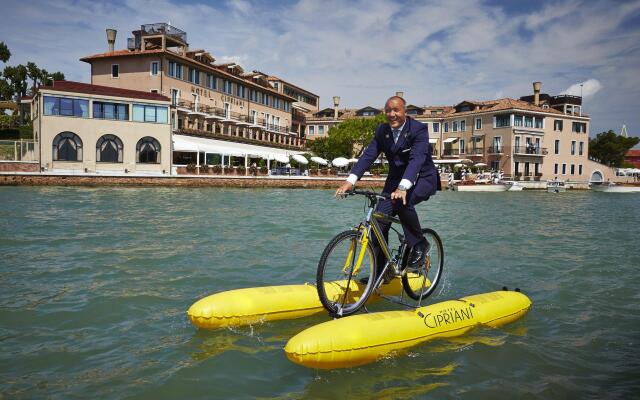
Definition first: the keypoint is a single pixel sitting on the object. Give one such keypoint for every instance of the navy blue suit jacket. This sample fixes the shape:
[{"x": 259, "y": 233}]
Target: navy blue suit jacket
[{"x": 409, "y": 158}]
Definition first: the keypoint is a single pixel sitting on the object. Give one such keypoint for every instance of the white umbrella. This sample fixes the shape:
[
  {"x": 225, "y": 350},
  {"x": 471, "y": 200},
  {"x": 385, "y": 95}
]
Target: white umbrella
[
  {"x": 481, "y": 164},
  {"x": 340, "y": 162},
  {"x": 319, "y": 160},
  {"x": 466, "y": 161},
  {"x": 300, "y": 158},
  {"x": 458, "y": 165},
  {"x": 281, "y": 158},
  {"x": 353, "y": 160}
]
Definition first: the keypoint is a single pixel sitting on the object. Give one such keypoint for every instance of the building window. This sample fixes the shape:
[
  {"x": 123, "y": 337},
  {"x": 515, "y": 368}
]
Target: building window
[
  {"x": 436, "y": 127},
  {"x": 580, "y": 169},
  {"x": 557, "y": 147},
  {"x": 573, "y": 169},
  {"x": 497, "y": 144},
  {"x": 528, "y": 122},
  {"x": 148, "y": 151},
  {"x": 311, "y": 130},
  {"x": 517, "y": 120},
  {"x": 564, "y": 169},
  {"x": 320, "y": 129},
  {"x": 146, "y": 113},
  {"x": 67, "y": 146},
  {"x": 455, "y": 126},
  {"x": 446, "y": 127},
  {"x": 461, "y": 144},
  {"x": 171, "y": 69},
  {"x": 103, "y": 110},
  {"x": 495, "y": 165},
  {"x": 254, "y": 117},
  {"x": 502, "y": 121},
  {"x": 109, "y": 149},
  {"x": 516, "y": 167},
  {"x": 581, "y": 148},
  {"x": 517, "y": 144},
  {"x": 155, "y": 68},
  {"x": 463, "y": 125},
  {"x": 66, "y": 107},
  {"x": 573, "y": 147},
  {"x": 211, "y": 81},
  {"x": 579, "y": 127},
  {"x": 175, "y": 96},
  {"x": 194, "y": 76},
  {"x": 115, "y": 70},
  {"x": 478, "y": 123},
  {"x": 226, "y": 86},
  {"x": 555, "y": 168},
  {"x": 527, "y": 171},
  {"x": 557, "y": 125}
]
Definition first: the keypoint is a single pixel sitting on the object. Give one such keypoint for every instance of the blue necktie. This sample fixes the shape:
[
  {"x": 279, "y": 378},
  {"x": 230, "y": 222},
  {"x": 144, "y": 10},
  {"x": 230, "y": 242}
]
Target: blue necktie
[{"x": 396, "y": 135}]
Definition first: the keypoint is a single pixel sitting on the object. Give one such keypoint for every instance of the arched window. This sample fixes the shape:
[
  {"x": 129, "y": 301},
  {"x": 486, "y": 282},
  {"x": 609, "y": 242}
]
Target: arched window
[
  {"x": 67, "y": 146},
  {"x": 148, "y": 150},
  {"x": 109, "y": 149}
]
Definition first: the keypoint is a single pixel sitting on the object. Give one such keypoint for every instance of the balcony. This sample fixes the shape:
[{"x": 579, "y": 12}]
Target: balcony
[
  {"x": 530, "y": 151},
  {"x": 474, "y": 151},
  {"x": 495, "y": 150},
  {"x": 450, "y": 152}
]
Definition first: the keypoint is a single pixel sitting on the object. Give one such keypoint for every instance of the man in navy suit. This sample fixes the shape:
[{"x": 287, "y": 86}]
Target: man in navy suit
[{"x": 412, "y": 176}]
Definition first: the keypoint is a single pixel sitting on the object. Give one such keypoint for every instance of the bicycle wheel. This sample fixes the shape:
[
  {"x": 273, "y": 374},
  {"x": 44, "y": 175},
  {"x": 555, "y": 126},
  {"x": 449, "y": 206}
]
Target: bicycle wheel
[
  {"x": 419, "y": 283},
  {"x": 343, "y": 285}
]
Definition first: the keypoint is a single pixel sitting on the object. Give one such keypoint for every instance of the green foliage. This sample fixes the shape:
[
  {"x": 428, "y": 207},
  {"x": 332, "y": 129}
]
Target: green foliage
[
  {"x": 348, "y": 138},
  {"x": 5, "y": 54},
  {"x": 610, "y": 148}
]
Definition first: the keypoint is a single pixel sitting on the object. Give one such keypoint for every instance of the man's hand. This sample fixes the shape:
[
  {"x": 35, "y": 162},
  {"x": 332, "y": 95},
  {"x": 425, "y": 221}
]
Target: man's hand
[
  {"x": 400, "y": 194},
  {"x": 340, "y": 192}
]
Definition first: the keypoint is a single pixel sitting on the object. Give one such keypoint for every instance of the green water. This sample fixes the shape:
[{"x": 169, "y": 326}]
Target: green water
[{"x": 95, "y": 282}]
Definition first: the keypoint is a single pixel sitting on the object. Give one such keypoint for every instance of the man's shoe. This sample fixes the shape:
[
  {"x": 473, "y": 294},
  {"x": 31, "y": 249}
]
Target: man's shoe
[{"x": 418, "y": 253}]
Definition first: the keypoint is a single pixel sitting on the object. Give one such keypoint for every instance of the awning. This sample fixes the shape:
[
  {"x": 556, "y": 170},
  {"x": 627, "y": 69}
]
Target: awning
[
  {"x": 453, "y": 161},
  {"x": 197, "y": 144},
  {"x": 433, "y": 141},
  {"x": 449, "y": 140}
]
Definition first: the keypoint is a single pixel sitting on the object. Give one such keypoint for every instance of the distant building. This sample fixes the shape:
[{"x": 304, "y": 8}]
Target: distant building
[
  {"x": 633, "y": 157},
  {"x": 532, "y": 138},
  {"x": 98, "y": 129},
  {"x": 209, "y": 99}
]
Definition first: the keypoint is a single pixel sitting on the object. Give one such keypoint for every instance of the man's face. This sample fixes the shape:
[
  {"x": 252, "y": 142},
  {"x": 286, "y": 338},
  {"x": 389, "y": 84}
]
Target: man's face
[{"x": 395, "y": 112}]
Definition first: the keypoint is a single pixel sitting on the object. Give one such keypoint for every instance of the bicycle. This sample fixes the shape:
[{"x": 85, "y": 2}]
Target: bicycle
[{"x": 346, "y": 274}]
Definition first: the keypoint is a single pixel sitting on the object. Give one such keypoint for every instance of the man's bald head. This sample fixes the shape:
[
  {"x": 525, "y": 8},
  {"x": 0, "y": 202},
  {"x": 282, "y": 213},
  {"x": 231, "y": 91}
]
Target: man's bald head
[{"x": 395, "y": 110}]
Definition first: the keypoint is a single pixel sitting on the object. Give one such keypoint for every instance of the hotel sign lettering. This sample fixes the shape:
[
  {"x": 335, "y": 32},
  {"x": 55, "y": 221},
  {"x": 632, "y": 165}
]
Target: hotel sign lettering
[{"x": 232, "y": 100}]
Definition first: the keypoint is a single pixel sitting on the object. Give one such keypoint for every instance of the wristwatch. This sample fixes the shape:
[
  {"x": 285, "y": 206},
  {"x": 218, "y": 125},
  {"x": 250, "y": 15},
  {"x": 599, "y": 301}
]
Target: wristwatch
[{"x": 402, "y": 187}]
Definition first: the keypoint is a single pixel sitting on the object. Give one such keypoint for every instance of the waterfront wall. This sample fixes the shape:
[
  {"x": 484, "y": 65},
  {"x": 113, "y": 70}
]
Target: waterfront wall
[
  {"x": 17, "y": 166},
  {"x": 198, "y": 181}
]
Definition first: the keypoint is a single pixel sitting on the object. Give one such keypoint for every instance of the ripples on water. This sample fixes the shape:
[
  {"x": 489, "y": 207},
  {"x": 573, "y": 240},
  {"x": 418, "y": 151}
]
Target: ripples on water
[{"x": 94, "y": 284}]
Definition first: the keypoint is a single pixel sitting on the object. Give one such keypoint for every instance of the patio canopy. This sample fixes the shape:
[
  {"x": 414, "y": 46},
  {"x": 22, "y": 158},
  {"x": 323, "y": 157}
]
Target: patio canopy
[{"x": 204, "y": 145}]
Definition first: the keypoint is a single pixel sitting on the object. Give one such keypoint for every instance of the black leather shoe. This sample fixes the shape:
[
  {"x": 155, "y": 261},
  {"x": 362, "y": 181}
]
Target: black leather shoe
[{"x": 418, "y": 253}]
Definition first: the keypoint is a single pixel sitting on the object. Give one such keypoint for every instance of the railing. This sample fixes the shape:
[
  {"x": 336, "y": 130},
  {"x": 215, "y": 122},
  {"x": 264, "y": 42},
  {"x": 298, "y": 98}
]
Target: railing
[
  {"x": 530, "y": 150},
  {"x": 299, "y": 143},
  {"x": 474, "y": 150},
  {"x": 163, "y": 28},
  {"x": 496, "y": 150},
  {"x": 185, "y": 104},
  {"x": 233, "y": 116},
  {"x": 450, "y": 152},
  {"x": 18, "y": 150}
]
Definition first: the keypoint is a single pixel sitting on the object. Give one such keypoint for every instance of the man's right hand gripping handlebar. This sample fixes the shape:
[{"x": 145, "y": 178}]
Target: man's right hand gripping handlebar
[{"x": 340, "y": 192}]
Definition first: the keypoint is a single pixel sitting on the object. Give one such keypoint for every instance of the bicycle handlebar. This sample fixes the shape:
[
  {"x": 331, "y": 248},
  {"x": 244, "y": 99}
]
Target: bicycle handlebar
[{"x": 371, "y": 195}]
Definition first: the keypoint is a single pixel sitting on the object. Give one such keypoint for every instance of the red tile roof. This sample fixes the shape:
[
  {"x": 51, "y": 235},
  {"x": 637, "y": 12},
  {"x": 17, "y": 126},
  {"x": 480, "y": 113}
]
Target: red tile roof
[
  {"x": 633, "y": 153},
  {"x": 86, "y": 88}
]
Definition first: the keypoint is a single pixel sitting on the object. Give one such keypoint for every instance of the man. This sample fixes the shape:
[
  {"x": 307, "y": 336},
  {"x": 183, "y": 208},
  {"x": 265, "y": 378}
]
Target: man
[{"x": 412, "y": 176}]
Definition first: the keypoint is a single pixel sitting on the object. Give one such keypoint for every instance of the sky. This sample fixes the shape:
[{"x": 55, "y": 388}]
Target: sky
[{"x": 436, "y": 52}]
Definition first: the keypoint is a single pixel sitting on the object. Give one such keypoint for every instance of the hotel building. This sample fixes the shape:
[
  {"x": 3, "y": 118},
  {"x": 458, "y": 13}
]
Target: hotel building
[
  {"x": 82, "y": 128},
  {"x": 531, "y": 138},
  {"x": 212, "y": 100}
]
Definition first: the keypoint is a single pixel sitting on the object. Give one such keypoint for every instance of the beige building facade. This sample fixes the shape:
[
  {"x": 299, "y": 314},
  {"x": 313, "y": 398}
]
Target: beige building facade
[
  {"x": 537, "y": 137},
  {"x": 83, "y": 128},
  {"x": 218, "y": 100}
]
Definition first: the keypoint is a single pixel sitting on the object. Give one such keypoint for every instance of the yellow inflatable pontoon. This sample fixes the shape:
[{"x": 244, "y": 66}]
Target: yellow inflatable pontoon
[
  {"x": 247, "y": 306},
  {"x": 364, "y": 338}
]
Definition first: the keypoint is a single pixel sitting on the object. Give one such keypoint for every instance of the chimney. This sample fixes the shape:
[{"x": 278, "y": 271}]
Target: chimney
[
  {"x": 536, "y": 93},
  {"x": 111, "y": 39},
  {"x": 400, "y": 94},
  {"x": 336, "y": 103}
]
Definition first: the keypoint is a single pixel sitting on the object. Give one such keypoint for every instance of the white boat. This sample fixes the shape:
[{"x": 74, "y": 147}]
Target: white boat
[
  {"x": 556, "y": 186},
  {"x": 515, "y": 186},
  {"x": 614, "y": 188},
  {"x": 482, "y": 187}
]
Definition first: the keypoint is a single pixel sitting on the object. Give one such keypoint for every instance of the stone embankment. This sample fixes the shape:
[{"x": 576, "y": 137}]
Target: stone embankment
[{"x": 196, "y": 181}]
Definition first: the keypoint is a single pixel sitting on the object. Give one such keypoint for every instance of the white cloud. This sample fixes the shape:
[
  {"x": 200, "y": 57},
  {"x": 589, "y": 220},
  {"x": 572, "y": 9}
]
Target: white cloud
[{"x": 585, "y": 89}]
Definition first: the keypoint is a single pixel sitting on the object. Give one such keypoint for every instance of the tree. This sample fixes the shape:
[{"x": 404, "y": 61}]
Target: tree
[
  {"x": 347, "y": 138},
  {"x": 5, "y": 54},
  {"x": 610, "y": 148}
]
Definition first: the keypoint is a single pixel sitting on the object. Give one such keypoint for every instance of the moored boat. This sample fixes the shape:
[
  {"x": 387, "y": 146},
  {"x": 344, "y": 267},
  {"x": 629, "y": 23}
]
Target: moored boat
[
  {"x": 614, "y": 188},
  {"x": 481, "y": 187},
  {"x": 556, "y": 186}
]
